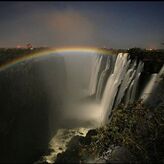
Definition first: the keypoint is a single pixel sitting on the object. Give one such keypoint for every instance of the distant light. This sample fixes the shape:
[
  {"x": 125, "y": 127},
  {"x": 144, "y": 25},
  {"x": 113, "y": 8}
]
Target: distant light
[
  {"x": 150, "y": 49},
  {"x": 18, "y": 46},
  {"x": 29, "y": 46}
]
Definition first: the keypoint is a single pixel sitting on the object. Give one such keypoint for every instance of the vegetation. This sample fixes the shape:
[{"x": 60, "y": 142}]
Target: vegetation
[
  {"x": 139, "y": 129},
  {"x": 135, "y": 127},
  {"x": 8, "y": 54},
  {"x": 153, "y": 59}
]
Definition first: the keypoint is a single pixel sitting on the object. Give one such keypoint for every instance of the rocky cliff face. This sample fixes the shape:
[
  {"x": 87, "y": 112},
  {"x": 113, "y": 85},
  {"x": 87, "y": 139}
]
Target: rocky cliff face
[{"x": 25, "y": 108}]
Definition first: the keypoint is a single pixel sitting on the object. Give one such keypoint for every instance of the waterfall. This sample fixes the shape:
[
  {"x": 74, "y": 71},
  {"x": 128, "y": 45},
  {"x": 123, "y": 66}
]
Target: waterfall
[
  {"x": 94, "y": 75},
  {"x": 104, "y": 75},
  {"x": 120, "y": 78},
  {"x": 118, "y": 81},
  {"x": 114, "y": 79},
  {"x": 152, "y": 94},
  {"x": 125, "y": 83},
  {"x": 149, "y": 87},
  {"x": 131, "y": 93},
  {"x": 113, "y": 83}
]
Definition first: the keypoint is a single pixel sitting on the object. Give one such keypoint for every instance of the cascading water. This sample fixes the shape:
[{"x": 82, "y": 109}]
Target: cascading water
[
  {"x": 112, "y": 85},
  {"x": 152, "y": 94},
  {"x": 130, "y": 95},
  {"x": 121, "y": 79},
  {"x": 94, "y": 76},
  {"x": 114, "y": 79},
  {"x": 71, "y": 92},
  {"x": 104, "y": 75}
]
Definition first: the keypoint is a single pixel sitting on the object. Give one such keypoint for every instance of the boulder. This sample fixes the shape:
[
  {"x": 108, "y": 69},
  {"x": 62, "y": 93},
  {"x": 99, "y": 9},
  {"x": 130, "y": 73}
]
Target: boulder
[{"x": 121, "y": 154}]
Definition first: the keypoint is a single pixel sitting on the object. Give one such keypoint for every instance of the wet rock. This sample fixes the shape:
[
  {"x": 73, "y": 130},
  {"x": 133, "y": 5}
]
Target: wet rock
[
  {"x": 121, "y": 155},
  {"x": 74, "y": 142},
  {"x": 90, "y": 133},
  {"x": 49, "y": 151},
  {"x": 87, "y": 140},
  {"x": 82, "y": 140},
  {"x": 60, "y": 148},
  {"x": 81, "y": 133},
  {"x": 71, "y": 155}
]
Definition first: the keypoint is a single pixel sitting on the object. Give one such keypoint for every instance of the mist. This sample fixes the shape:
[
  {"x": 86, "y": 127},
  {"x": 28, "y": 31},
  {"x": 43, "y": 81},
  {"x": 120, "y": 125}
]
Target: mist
[{"x": 66, "y": 77}]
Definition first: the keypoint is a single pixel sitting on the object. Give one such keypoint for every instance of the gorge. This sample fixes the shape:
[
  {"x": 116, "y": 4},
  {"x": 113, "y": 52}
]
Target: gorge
[{"x": 49, "y": 94}]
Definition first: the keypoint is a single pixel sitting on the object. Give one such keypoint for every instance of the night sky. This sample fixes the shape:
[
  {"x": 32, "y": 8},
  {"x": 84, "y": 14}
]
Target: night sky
[{"x": 95, "y": 24}]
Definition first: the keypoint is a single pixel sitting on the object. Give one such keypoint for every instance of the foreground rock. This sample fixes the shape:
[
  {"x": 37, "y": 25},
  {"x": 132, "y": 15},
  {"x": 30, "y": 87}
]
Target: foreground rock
[
  {"x": 114, "y": 154},
  {"x": 134, "y": 135}
]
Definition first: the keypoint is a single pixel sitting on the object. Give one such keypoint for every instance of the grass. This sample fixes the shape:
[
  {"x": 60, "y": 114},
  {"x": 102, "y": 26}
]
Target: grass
[{"x": 139, "y": 129}]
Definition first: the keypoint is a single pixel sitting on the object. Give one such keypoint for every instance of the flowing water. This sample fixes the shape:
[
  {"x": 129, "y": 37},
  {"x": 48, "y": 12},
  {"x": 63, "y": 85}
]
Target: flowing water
[
  {"x": 78, "y": 89},
  {"x": 113, "y": 79}
]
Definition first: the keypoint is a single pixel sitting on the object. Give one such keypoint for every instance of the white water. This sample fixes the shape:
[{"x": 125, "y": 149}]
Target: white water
[
  {"x": 153, "y": 91},
  {"x": 118, "y": 82},
  {"x": 94, "y": 76},
  {"x": 122, "y": 82},
  {"x": 149, "y": 87},
  {"x": 59, "y": 142},
  {"x": 106, "y": 72},
  {"x": 130, "y": 96},
  {"x": 121, "y": 78},
  {"x": 111, "y": 88}
]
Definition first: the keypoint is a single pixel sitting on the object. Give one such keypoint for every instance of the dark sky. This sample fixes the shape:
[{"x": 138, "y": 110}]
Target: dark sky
[{"x": 58, "y": 24}]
